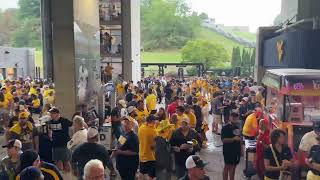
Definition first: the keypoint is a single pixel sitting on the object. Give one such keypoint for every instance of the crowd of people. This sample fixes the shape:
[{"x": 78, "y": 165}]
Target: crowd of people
[{"x": 158, "y": 129}]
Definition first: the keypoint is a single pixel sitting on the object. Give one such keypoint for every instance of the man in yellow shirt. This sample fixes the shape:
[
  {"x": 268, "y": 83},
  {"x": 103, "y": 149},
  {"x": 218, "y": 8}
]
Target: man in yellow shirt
[
  {"x": 120, "y": 90},
  {"x": 35, "y": 107},
  {"x": 191, "y": 116},
  {"x": 142, "y": 112},
  {"x": 250, "y": 128},
  {"x": 180, "y": 115},
  {"x": 147, "y": 134},
  {"x": 151, "y": 102},
  {"x": 7, "y": 94}
]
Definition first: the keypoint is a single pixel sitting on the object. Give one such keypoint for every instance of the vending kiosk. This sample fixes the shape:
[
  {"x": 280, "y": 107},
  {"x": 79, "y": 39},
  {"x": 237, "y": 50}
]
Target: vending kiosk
[{"x": 295, "y": 95}]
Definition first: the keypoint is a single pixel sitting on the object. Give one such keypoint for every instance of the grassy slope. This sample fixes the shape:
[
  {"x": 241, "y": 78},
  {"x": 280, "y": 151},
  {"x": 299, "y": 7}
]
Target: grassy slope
[
  {"x": 162, "y": 56},
  {"x": 246, "y": 35},
  {"x": 228, "y": 44}
]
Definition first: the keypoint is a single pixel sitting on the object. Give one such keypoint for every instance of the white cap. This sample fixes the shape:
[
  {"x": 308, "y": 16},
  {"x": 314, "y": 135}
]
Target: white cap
[
  {"x": 92, "y": 132},
  {"x": 13, "y": 143},
  {"x": 194, "y": 161}
]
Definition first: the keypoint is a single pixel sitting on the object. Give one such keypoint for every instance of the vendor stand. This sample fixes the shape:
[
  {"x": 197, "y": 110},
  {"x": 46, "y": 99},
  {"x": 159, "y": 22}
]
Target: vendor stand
[{"x": 295, "y": 95}]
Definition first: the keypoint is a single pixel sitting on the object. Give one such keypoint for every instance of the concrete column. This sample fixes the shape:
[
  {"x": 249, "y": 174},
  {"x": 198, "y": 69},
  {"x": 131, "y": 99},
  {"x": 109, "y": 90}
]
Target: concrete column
[
  {"x": 131, "y": 39},
  {"x": 63, "y": 56}
]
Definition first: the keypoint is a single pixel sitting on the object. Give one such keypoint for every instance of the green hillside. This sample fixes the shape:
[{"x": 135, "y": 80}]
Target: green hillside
[
  {"x": 207, "y": 34},
  {"x": 245, "y": 35},
  {"x": 162, "y": 56}
]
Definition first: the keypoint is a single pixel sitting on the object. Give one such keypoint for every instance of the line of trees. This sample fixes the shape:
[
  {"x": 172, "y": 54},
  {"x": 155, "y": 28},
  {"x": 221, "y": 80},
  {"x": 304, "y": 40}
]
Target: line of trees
[
  {"x": 245, "y": 60},
  {"x": 21, "y": 27},
  {"x": 168, "y": 24}
]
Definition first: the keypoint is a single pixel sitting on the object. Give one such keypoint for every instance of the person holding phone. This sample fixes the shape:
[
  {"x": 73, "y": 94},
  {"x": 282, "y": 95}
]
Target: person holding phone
[
  {"x": 127, "y": 151},
  {"x": 230, "y": 136},
  {"x": 182, "y": 143}
]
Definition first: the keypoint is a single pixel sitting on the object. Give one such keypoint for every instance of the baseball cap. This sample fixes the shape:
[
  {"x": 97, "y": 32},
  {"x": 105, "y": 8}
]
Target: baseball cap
[
  {"x": 23, "y": 115},
  {"x": 131, "y": 109},
  {"x": 30, "y": 173},
  {"x": 151, "y": 118},
  {"x": 54, "y": 110},
  {"x": 195, "y": 161},
  {"x": 13, "y": 143},
  {"x": 123, "y": 103},
  {"x": 92, "y": 132}
]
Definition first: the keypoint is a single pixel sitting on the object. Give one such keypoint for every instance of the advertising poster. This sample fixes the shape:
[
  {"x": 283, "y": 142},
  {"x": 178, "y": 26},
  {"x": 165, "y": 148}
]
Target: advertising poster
[{"x": 87, "y": 51}]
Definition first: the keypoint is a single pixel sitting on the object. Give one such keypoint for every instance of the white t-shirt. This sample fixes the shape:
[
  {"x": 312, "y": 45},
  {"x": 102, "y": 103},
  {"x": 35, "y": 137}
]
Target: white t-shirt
[
  {"x": 78, "y": 138},
  {"x": 307, "y": 141}
]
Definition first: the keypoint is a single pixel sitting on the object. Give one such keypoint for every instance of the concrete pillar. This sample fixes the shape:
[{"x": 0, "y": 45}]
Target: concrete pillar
[
  {"x": 308, "y": 9},
  {"x": 131, "y": 40},
  {"x": 63, "y": 56}
]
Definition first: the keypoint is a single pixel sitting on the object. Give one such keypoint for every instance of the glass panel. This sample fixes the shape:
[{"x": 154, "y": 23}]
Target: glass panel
[
  {"x": 310, "y": 106},
  {"x": 111, "y": 42},
  {"x": 111, "y": 60},
  {"x": 110, "y": 10}
]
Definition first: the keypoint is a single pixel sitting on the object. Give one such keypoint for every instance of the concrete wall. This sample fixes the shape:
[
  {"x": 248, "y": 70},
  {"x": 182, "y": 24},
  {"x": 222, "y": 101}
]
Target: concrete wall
[
  {"x": 302, "y": 8},
  {"x": 21, "y": 58},
  {"x": 131, "y": 40},
  {"x": 308, "y": 9},
  {"x": 289, "y": 8},
  {"x": 64, "y": 56}
]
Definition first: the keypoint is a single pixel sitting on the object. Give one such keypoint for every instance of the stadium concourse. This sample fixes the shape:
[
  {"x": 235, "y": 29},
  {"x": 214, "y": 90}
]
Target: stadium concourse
[{"x": 211, "y": 154}]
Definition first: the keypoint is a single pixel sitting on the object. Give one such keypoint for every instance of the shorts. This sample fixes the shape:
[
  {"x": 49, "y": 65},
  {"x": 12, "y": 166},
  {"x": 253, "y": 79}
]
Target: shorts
[
  {"x": 149, "y": 168},
  {"x": 61, "y": 154},
  {"x": 217, "y": 118},
  {"x": 231, "y": 158}
]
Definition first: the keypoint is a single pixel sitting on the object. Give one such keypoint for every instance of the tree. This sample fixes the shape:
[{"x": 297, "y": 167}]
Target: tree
[
  {"x": 167, "y": 24},
  {"x": 29, "y": 9},
  {"x": 204, "y": 16},
  {"x": 28, "y": 34},
  {"x": 202, "y": 51},
  {"x": 9, "y": 24},
  {"x": 252, "y": 60},
  {"x": 236, "y": 57}
]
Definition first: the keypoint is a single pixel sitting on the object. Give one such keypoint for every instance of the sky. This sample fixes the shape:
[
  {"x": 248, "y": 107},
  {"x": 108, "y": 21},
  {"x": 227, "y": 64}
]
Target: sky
[
  {"x": 252, "y": 13},
  {"x": 5, "y": 4}
]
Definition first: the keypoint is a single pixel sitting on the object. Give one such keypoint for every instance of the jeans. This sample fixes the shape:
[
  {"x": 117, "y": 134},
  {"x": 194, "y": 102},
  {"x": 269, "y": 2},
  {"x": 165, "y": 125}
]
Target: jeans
[{"x": 180, "y": 171}]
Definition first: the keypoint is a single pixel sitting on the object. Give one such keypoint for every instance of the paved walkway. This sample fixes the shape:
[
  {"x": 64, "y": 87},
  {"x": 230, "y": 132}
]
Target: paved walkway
[{"x": 212, "y": 154}]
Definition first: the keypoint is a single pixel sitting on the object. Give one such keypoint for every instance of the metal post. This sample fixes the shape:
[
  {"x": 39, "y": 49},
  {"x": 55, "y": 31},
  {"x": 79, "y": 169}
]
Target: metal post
[
  {"x": 159, "y": 70},
  {"x": 46, "y": 22}
]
